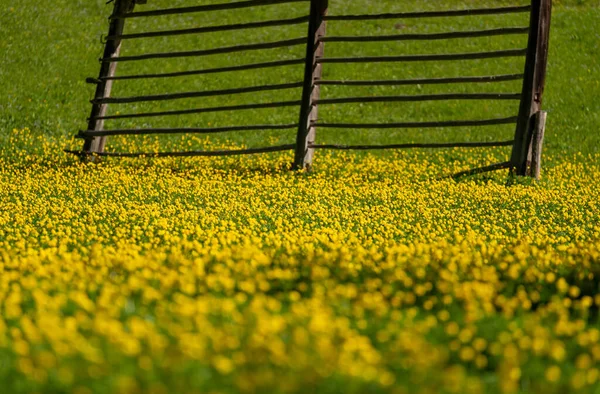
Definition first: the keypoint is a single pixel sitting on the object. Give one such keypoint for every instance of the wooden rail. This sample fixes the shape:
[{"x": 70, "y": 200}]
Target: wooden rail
[
  {"x": 208, "y": 93},
  {"x": 203, "y": 8},
  {"x": 184, "y": 130},
  {"x": 213, "y": 29},
  {"x": 208, "y": 52},
  {"x": 426, "y": 58},
  {"x": 529, "y": 122},
  {"x": 224, "y": 108},
  {"x": 424, "y": 81},
  {"x": 430, "y": 36},
  {"x": 244, "y": 67},
  {"x": 431, "y": 14},
  {"x": 416, "y": 145}
]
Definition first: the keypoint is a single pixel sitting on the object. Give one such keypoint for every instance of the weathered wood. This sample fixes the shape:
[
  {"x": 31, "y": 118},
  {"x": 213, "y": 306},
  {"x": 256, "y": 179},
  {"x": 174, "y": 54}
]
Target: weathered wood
[
  {"x": 416, "y": 145},
  {"x": 420, "y": 98},
  {"x": 103, "y": 89},
  {"x": 213, "y": 29},
  {"x": 315, "y": 49},
  {"x": 425, "y": 81},
  {"x": 244, "y": 67},
  {"x": 204, "y": 8},
  {"x": 426, "y": 58},
  {"x": 278, "y": 104},
  {"x": 430, "y": 36},
  {"x": 431, "y": 14},
  {"x": 252, "y": 151},
  {"x": 208, "y": 52},
  {"x": 417, "y": 125},
  {"x": 208, "y": 93},
  {"x": 535, "y": 169},
  {"x": 533, "y": 83},
  {"x": 186, "y": 130}
]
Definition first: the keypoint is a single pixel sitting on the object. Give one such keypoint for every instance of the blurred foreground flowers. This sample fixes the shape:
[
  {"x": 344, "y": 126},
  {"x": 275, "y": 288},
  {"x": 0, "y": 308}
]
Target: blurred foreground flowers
[{"x": 235, "y": 275}]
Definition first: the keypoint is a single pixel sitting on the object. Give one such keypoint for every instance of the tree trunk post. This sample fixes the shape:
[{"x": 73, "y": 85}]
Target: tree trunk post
[
  {"x": 533, "y": 83},
  {"x": 112, "y": 49},
  {"x": 315, "y": 49}
]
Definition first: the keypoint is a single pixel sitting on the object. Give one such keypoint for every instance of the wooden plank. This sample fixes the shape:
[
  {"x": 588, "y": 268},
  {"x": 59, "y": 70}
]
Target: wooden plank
[
  {"x": 416, "y": 145},
  {"x": 426, "y": 58},
  {"x": 208, "y": 52},
  {"x": 533, "y": 83},
  {"x": 252, "y": 151},
  {"x": 213, "y": 29},
  {"x": 424, "y": 81},
  {"x": 186, "y": 130},
  {"x": 244, "y": 67},
  {"x": 112, "y": 49},
  {"x": 204, "y": 8},
  {"x": 537, "y": 145},
  {"x": 207, "y": 93},
  {"x": 420, "y": 98},
  {"x": 432, "y": 14},
  {"x": 430, "y": 36},
  {"x": 417, "y": 125},
  {"x": 278, "y": 104},
  {"x": 315, "y": 49}
]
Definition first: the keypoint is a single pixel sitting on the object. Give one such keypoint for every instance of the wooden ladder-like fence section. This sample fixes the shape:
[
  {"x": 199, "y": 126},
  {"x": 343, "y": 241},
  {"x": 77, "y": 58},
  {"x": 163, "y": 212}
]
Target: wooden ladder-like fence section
[{"x": 529, "y": 121}]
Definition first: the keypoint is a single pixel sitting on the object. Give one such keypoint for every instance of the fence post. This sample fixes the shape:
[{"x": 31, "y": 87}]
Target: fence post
[
  {"x": 315, "y": 48},
  {"x": 103, "y": 89},
  {"x": 533, "y": 83},
  {"x": 537, "y": 145}
]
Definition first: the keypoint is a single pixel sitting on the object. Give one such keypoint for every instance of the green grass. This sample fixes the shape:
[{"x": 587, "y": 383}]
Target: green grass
[{"x": 47, "y": 51}]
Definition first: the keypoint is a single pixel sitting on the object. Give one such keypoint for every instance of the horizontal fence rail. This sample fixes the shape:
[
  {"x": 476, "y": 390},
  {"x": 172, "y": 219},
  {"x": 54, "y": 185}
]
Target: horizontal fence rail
[
  {"x": 417, "y": 125},
  {"x": 208, "y": 52},
  {"x": 209, "y": 93},
  {"x": 431, "y": 14},
  {"x": 245, "y": 67},
  {"x": 427, "y": 58},
  {"x": 430, "y": 36},
  {"x": 534, "y": 55},
  {"x": 424, "y": 81},
  {"x": 423, "y": 97},
  {"x": 213, "y": 29},
  {"x": 252, "y": 151},
  {"x": 205, "y": 8},
  {"x": 278, "y": 104},
  {"x": 185, "y": 130},
  {"x": 415, "y": 145}
]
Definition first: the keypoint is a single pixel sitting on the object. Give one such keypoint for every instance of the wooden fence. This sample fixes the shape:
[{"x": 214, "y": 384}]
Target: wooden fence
[{"x": 529, "y": 121}]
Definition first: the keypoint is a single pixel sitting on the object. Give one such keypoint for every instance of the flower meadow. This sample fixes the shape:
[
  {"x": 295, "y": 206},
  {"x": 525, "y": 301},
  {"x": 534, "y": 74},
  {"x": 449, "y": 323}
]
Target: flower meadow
[{"x": 373, "y": 273}]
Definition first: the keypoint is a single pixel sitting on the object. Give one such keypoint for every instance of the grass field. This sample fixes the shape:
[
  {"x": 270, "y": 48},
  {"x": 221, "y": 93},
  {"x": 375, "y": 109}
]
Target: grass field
[{"x": 368, "y": 274}]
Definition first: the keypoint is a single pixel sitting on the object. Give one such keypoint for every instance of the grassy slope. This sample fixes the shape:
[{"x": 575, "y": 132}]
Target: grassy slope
[{"x": 49, "y": 50}]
